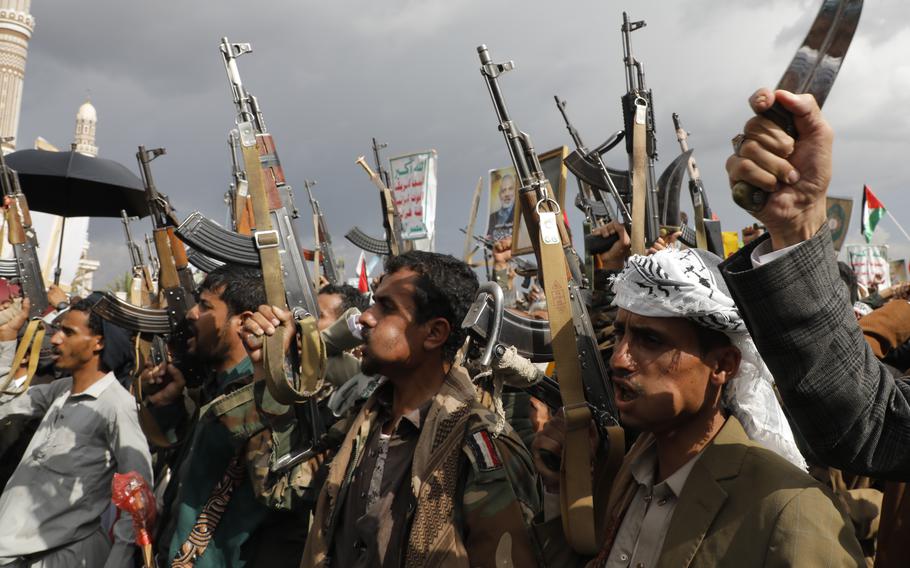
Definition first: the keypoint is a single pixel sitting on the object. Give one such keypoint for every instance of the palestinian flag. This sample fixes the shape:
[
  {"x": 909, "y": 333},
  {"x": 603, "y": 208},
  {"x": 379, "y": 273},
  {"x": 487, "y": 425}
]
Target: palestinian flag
[{"x": 873, "y": 211}]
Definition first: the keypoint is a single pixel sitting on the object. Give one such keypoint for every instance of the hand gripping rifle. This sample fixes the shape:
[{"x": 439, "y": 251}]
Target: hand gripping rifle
[
  {"x": 28, "y": 272},
  {"x": 641, "y": 143},
  {"x": 324, "y": 238},
  {"x": 587, "y": 164},
  {"x": 273, "y": 247},
  {"x": 584, "y": 384}
]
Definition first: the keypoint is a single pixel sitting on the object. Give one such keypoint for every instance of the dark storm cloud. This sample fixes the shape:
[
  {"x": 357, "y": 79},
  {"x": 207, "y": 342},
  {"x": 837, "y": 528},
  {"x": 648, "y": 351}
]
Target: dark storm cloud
[{"x": 331, "y": 75}]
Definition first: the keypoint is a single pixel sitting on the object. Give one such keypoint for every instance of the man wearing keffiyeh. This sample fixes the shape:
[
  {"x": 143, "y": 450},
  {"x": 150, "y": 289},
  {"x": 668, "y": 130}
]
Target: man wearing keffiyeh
[{"x": 716, "y": 478}]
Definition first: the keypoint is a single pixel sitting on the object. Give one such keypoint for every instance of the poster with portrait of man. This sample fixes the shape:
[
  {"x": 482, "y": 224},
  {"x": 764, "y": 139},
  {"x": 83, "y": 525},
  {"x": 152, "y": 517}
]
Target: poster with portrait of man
[{"x": 503, "y": 195}]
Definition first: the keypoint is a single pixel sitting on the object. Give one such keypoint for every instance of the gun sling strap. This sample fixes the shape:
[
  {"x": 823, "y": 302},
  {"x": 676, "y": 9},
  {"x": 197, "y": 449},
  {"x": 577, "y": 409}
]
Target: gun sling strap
[
  {"x": 575, "y": 491},
  {"x": 639, "y": 171},
  {"x": 29, "y": 344},
  {"x": 576, "y": 487},
  {"x": 312, "y": 360}
]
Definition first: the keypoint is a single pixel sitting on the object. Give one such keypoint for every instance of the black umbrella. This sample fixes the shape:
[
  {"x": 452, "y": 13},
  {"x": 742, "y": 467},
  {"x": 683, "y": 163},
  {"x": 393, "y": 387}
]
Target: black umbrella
[{"x": 70, "y": 184}]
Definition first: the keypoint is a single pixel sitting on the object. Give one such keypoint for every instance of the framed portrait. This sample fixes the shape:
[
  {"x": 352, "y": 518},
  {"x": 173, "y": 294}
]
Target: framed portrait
[
  {"x": 501, "y": 204},
  {"x": 555, "y": 171}
]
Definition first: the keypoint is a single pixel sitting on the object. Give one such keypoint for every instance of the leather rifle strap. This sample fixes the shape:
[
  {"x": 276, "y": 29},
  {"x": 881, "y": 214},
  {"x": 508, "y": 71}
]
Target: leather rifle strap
[
  {"x": 267, "y": 242},
  {"x": 639, "y": 176},
  {"x": 575, "y": 491},
  {"x": 31, "y": 344}
]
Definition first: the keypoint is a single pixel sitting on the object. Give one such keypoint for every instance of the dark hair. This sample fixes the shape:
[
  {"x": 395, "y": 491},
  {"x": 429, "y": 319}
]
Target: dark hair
[
  {"x": 95, "y": 325},
  {"x": 446, "y": 287},
  {"x": 709, "y": 339},
  {"x": 849, "y": 278},
  {"x": 240, "y": 287},
  {"x": 350, "y": 296}
]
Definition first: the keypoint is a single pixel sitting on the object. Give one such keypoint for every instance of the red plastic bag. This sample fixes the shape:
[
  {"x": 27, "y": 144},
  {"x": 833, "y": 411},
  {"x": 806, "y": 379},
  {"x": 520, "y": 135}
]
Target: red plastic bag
[{"x": 130, "y": 492}]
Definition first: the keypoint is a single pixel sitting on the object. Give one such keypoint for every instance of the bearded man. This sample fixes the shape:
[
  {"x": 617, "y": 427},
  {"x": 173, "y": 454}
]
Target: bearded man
[{"x": 716, "y": 478}]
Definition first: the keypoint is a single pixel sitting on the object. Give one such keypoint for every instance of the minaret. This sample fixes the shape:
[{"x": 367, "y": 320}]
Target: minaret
[
  {"x": 16, "y": 27},
  {"x": 86, "y": 120}
]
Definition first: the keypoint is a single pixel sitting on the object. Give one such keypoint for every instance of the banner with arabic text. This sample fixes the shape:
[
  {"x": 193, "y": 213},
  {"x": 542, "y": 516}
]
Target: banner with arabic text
[{"x": 413, "y": 178}]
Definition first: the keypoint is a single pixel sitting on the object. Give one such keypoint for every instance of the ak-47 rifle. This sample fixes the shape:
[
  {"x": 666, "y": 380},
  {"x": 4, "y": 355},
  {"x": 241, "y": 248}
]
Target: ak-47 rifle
[
  {"x": 641, "y": 143},
  {"x": 141, "y": 289},
  {"x": 274, "y": 247},
  {"x": 28, "y": 271},
  {"x": 383, "y": 173},
  {"x": 24, "y": 241},
  {"x": 707, "y": 231},
  {"x": 207, "y": 237},
  {"x": 241, "y": 213},
  {"x": 587, "y": 164},
  {"x": 594, "y": 205},
  {"x": 393, "y": 244},
  {"x": 153, "y": 265},
  {"x": 326, "y": 254},
  {"x": 391, "y": 222},
  {"x": 583, "y": 378},
  {"x": 175, "y": 281}
]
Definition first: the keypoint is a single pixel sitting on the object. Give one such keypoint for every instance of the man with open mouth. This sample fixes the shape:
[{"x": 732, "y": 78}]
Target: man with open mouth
[
  {"x": 52, "y": 505},
  {"x": 716, "y": 478}
]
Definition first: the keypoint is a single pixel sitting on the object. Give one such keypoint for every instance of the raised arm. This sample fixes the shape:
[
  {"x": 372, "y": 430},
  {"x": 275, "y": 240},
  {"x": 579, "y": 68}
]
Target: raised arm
[{"x": 843, "y": 402}]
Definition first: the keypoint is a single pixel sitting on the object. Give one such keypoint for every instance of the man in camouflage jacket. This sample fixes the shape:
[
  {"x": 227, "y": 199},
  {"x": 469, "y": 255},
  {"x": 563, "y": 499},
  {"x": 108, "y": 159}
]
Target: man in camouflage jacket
[{"x": 423, "y": 476}]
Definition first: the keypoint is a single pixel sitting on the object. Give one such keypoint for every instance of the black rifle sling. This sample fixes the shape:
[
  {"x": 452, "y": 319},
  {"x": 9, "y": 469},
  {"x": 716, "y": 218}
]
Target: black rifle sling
[{"x": 312, "y": 358}]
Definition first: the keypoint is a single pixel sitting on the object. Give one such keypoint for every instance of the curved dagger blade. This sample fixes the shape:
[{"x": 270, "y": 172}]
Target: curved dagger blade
[
  {"x": 817, "y": 61},
  {"x": 668, "y": 187}
]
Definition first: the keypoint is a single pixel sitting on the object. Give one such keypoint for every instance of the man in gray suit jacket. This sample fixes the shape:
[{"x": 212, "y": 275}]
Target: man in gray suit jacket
[{"x": 844, "y": 405}]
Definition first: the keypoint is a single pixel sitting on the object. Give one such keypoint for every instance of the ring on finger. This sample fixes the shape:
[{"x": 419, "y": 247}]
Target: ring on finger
[{"x": 737, "y": 142}]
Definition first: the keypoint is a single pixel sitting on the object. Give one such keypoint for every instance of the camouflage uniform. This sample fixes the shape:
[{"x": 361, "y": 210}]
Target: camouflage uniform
[{"x": 474, "y": 495}]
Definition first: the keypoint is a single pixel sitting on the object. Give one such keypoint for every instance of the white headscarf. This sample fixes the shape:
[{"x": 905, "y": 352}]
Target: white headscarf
[{"x": 687, "y": 283}]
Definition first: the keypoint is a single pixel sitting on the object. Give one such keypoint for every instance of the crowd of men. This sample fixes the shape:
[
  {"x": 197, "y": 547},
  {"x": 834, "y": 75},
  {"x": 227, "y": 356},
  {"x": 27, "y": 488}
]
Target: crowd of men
[{"x": 733, "y": 380}]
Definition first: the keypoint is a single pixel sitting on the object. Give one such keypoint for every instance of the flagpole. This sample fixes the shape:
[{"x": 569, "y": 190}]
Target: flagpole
[{"x": 898, "y": 224}]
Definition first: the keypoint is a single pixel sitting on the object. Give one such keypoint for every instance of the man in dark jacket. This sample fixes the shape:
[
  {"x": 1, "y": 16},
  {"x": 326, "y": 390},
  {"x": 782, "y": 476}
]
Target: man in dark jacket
[{"x": 844, "y": 404}]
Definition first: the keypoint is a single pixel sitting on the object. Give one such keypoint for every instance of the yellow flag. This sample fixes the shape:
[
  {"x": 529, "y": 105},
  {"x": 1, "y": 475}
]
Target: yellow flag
[{"x": 731, "y": 242}]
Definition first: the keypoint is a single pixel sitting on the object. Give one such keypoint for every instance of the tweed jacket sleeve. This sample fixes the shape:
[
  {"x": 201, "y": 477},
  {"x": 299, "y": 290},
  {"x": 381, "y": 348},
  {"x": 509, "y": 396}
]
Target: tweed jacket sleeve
[{"x": 842, "y": 401}]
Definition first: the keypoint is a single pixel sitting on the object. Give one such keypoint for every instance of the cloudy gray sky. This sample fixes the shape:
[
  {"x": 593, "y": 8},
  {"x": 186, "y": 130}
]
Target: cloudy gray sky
[{"x": 330, "y": 75}]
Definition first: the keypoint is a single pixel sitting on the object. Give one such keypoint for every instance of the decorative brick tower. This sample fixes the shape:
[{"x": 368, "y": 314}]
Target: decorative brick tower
[{"x": 16, "y": 27}]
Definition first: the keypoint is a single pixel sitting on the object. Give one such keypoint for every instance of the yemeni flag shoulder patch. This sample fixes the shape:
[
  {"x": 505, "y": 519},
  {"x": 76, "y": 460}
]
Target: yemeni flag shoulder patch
[{"x": 873, "y": 211}]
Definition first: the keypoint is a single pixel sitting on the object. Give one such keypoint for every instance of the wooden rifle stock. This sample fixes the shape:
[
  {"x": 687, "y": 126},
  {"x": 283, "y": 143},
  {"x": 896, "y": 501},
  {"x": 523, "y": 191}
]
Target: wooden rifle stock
[
  {"x": 167, "y": 273},
  {"x": 243, "y": 215},
  {"x": 389, "y": 212},
  {"x": 15, "y": 222}
]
